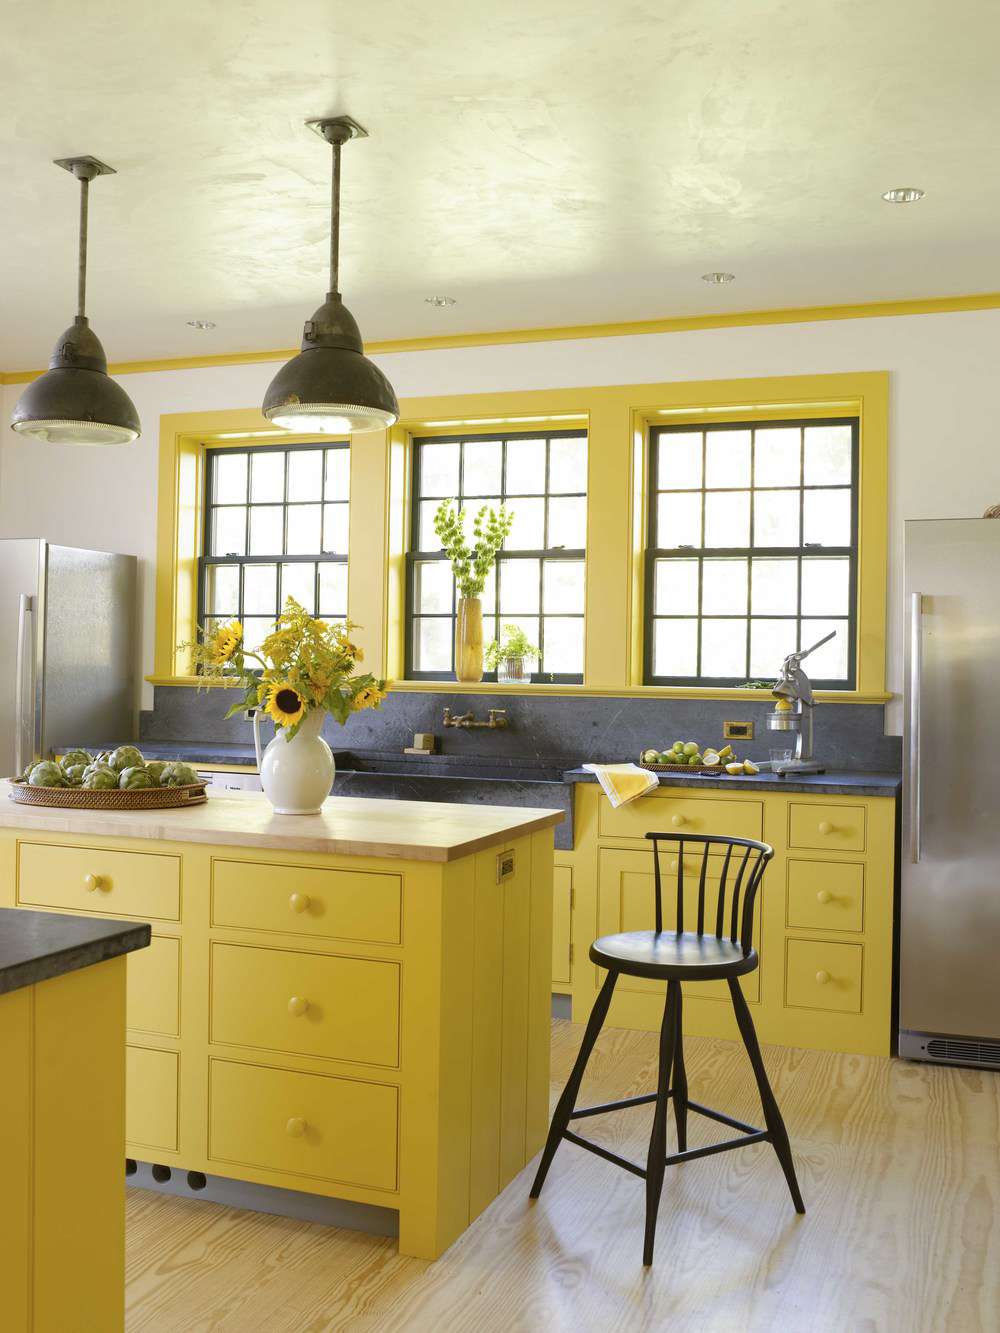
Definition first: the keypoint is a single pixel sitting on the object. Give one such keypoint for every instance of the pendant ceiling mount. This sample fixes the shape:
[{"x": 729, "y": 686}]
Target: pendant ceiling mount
[
  {"x": 331, "y": 387},
  {"x": 75, "y": 401}
]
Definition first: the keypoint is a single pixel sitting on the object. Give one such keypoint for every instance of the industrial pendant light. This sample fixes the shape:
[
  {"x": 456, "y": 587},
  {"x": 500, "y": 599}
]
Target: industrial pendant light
[
  {"x": 75, "y": 401},
  {"x": 331, "y": 386}
]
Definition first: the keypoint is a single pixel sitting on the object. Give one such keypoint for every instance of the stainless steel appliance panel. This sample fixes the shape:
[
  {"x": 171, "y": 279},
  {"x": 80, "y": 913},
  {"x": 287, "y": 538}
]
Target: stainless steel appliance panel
[
  {"x": 950, "y": 893},
  {"x": 19, "y": 641}
]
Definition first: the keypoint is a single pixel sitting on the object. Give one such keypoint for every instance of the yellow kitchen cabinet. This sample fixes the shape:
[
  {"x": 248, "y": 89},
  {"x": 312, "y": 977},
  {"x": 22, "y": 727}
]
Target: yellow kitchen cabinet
[
  {"x": 353, "y": 1004},
  {"x": 825, "y": 917},
  {"x": 562, "y": 927}
]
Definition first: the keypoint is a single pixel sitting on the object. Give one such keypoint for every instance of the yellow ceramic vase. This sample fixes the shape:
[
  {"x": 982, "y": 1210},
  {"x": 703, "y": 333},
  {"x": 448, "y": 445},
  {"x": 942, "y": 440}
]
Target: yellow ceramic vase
[{"x": 469, "y": 640}]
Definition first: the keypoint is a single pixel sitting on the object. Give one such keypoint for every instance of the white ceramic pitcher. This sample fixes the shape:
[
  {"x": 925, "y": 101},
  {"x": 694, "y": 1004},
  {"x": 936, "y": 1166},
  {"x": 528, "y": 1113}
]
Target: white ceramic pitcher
[{"x": 296, "y": 774}]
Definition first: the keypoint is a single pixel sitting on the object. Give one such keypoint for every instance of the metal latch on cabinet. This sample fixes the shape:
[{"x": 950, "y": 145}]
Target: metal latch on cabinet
[{"x": 505, "y": 866}]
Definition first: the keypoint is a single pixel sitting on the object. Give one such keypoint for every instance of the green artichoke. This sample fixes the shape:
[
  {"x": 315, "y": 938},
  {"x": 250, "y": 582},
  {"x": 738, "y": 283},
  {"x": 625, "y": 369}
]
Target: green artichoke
[
  {"x": 48, "y": 774},
  {"x": 178, "y": 774},
  {"x": 73, "y": 758},
  {"x": 131, "y": 779},
  {"x": 126, "y": 756},
  {"x": 155, "y": 767},
  {"x": 99, "y": 777},
  {"x": 75, "y": 773}
]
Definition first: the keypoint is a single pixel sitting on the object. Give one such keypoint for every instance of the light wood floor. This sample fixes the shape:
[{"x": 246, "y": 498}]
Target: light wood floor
[{"x": 899, "y": 1165}]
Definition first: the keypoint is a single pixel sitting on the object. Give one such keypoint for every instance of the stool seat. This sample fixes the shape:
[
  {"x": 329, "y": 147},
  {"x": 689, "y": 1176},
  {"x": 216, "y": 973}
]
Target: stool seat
[{"x": 671, "y": 957}]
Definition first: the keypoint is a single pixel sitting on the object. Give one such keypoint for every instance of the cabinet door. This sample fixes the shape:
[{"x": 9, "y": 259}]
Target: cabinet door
[{"x": 562, "y": 924}]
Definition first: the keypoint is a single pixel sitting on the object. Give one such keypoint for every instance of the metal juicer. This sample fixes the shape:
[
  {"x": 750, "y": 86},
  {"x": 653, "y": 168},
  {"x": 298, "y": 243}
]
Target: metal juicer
[{"x": 794, "y": 711}]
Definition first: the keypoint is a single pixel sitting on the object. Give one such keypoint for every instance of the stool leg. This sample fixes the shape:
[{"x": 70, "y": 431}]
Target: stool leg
[
  {"x": 567, "y": 1102},
  {"x": 656, "y": 1158},
  {"x": 678, "y": 1078},
  {"x": 772, "y": 1116}
]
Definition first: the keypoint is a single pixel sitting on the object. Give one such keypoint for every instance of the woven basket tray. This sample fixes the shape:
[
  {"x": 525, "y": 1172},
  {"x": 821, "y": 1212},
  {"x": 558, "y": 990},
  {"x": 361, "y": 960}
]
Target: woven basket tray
[
  {"x": 83, "y": 798},
  {"x": 683, "y": 768}
]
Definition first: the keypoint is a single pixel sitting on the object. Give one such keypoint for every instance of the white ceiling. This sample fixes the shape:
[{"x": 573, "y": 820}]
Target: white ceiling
[{"x": 542, "y": 161}]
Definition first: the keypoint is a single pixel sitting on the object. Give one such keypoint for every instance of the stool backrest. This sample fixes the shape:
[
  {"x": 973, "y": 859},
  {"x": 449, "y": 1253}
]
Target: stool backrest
[{"x": 743, "y": 864}]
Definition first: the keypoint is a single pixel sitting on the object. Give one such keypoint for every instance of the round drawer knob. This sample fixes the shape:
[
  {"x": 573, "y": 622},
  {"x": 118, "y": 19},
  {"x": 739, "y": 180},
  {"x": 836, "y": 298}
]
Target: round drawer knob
[
  {"x": 297, "y": 1006},
  {"x": 299, "y": 902},
  {"x": 822, "y": 977},
  {"x": 91, "y": 882},
  {"x": 824, "y": 896},
  {"x": 678, "y": 821},
  {"x": 295, "y": 1127},
  {"x": 826, "y": 827}
]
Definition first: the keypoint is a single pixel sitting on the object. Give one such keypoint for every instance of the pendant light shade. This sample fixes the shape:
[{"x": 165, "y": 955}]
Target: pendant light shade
[
  {"x": 331, "y": 387},
  {"x": 75, "y": 401}
]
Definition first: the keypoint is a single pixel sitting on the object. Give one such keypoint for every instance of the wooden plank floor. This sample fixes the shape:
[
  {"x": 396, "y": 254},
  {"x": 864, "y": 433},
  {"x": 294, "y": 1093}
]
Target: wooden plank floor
[{"x": 899, "y": 1165}]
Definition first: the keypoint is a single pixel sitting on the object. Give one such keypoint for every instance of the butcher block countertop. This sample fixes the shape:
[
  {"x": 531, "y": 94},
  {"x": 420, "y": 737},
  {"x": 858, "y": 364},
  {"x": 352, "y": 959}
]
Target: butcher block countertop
[{"x": 346, "y": 826}]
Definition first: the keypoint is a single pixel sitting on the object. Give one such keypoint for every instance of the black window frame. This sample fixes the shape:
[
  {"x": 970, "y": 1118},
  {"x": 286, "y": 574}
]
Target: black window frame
[
  {"x": 415, "y": 557},
  {"x": 207, "y": 561},
  {"x": 750, "y": 552}
]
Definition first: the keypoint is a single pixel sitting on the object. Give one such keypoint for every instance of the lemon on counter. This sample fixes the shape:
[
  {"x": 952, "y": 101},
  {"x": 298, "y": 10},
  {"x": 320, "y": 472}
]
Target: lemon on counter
[
  {"x": 735, "y": 769},
  {"x": 750, "y": 767}
]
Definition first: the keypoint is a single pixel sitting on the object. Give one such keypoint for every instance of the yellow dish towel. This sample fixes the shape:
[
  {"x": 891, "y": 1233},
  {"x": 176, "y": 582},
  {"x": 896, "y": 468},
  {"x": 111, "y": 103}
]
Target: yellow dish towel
[{"x": 623, "y": 782}]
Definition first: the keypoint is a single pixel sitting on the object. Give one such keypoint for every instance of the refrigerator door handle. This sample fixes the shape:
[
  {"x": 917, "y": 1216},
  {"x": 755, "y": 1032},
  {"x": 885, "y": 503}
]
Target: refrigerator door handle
[
  {"x": 25, "y": 609},
  {"x": 916, "y": 663}
]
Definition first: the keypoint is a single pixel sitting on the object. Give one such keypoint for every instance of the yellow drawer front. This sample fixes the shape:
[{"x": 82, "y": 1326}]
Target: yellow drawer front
[
  {"x": 303, "y": 1124},
  {"x": 562, "y": 918},
  {"x": 300, "y": 900},
  {"x": 661, "y": 813},
  {"x": 154, "y": 987},
  {"x": 151, "y": 1097},
  {"x": 825, "y": 895},
  {"x": 90, "y": 879},
  {"x": 305, "y": 1003},
  {"x": 628, "y": 902},
  {"x": 839, "y": 828},
  {"x": 822, "y": 975}
]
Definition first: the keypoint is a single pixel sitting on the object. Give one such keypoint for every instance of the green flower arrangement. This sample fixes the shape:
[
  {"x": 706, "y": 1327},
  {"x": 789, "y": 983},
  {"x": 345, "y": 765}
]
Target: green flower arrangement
[
  {"x": 471, "y": 565},
  {"x": 513, "y": 643}
]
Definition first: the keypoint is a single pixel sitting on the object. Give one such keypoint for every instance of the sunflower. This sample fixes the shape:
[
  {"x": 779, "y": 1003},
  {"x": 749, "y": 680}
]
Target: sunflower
[
  {"x": 285, "y": 705},
  {"x": 224, "y": 641},
  {"x": 370, "y": 696}
]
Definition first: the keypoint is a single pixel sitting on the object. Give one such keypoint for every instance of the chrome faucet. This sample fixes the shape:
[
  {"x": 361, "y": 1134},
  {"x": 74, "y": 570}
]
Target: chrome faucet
[{"x": 497, "y": 719}]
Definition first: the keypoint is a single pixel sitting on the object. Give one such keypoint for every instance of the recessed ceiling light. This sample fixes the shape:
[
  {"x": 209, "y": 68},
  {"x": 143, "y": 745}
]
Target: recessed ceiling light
[
  {"x": 717, "y": 278},
  {"x": 903, "y": 194},
  {"x": 203, "y": 325},
  {"x": 439, "y": 301}
]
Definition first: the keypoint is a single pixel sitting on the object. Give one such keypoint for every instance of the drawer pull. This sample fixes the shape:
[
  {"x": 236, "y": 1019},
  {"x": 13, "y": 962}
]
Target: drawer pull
[
  {"x": 295, "y": 1127},
  {"x": 299, "y": 902},
  {"x": 824, "y": 896},
  {"x": 92, "y": 882},
  {"x": 825, "y": 827},
  {"x": 297, "y": 1006},
  {"x": 822, "y": 977},
  {"x": 678, "y": 821}
]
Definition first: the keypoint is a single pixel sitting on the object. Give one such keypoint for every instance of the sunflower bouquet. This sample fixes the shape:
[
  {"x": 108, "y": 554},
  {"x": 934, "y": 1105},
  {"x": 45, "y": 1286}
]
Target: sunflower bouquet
[{"x": 302, "y": 665}]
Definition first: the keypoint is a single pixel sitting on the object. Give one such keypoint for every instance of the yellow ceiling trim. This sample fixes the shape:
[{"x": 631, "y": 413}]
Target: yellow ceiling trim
[{"x": 936, "y": 305}]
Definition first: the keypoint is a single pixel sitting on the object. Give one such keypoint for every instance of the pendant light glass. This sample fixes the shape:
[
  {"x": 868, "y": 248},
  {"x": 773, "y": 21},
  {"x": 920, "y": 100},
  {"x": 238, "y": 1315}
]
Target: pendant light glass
[
  {"x": 331, "y": 387},
  {"x": 75, "y": 401}
]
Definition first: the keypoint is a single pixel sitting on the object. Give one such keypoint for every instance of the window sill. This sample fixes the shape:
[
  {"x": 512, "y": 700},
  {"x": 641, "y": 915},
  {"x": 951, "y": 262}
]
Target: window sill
[{"x": 625, "y": 692}]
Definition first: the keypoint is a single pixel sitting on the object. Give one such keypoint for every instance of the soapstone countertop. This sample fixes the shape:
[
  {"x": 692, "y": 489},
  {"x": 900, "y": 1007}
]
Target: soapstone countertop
[
  {"x": 37, "y": 946},
  {"x": 832, "y": 783}
]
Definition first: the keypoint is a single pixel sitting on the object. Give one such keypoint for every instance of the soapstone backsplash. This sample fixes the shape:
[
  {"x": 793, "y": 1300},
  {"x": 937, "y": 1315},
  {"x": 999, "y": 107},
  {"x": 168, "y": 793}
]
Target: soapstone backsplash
[{"x": 545, "y": 731}]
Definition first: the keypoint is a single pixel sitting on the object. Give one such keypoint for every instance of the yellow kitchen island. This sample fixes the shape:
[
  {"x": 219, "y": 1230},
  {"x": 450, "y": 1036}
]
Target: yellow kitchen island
[{"x": 353, "y": 1004}]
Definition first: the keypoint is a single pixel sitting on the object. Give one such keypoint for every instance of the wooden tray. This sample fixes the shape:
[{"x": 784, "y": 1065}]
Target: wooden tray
[
  {"x": 83, "y": 798},
  {"x": 683, "y": 768}
]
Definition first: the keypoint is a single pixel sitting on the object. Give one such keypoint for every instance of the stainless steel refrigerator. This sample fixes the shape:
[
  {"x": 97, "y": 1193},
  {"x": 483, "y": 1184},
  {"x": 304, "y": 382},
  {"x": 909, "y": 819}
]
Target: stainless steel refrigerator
[
  {"x": 949, "y": 946},
  {"x": 68, "y": 651}
]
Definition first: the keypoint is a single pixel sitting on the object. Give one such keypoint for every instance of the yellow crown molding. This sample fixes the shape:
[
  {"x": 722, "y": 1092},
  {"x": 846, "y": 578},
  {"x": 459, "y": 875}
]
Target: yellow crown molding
[{"x": 936, "y": 305}]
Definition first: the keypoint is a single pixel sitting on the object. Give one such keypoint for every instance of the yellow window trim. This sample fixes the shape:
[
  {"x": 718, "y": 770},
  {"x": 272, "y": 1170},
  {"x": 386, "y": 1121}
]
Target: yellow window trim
[{"x": 617, "y": 419}]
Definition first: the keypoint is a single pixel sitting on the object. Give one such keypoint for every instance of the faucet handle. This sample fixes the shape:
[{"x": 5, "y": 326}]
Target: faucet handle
[{"x": 498, "y": 717}]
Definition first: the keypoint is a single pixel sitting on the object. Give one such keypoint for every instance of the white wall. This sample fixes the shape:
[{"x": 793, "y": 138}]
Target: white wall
[{"x": 944, "y": 447}]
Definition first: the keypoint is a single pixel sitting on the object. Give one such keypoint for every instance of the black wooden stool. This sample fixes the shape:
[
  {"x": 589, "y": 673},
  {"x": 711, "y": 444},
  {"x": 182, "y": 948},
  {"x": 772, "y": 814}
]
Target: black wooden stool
[{"x": 675, "y": 956}]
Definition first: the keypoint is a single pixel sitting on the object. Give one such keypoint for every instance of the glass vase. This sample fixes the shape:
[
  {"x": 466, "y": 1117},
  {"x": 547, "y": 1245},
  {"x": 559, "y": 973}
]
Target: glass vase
[{"x": 469, "y": 640}]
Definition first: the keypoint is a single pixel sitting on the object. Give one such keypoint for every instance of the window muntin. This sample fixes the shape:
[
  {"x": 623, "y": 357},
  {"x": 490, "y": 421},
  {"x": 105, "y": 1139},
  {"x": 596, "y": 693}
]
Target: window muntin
[
  {"x": 752, "y": 551},
  {"x": 538, "y": 582},
  {"x": 276, "y": 524}
]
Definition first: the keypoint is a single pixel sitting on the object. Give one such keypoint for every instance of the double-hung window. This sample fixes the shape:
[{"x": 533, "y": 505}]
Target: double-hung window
[
  {"x": 752, "y": 551},
  {"x": 538, "y": 582},
  {"x": 276, "y": 525}
]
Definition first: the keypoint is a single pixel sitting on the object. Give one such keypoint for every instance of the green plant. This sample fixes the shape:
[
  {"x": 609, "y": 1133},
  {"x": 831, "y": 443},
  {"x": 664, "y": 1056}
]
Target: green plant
[
  {"x": 513, "y": 643},
  {"x": 471, "y": 565}
]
